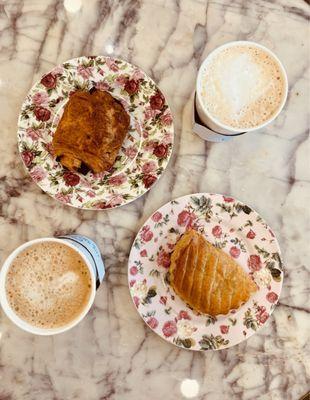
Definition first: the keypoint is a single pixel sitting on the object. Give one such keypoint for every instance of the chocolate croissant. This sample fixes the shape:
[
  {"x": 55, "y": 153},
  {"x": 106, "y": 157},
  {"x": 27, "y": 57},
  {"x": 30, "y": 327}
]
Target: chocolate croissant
[
  {"x": 91, "y": 131},
  {"x": 207, "y": 278}
]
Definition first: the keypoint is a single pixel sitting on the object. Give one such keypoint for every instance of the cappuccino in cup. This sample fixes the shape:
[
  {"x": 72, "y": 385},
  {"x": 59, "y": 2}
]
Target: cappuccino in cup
[
  {"x": 241, "y": 86},
  {"x": 48, "y": 285}
]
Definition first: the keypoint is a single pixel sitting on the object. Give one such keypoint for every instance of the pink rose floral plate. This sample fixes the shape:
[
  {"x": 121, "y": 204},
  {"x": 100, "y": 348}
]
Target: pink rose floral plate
[
  {"x": 145, "y": 152},
  {"x": 229, "y": 225}
]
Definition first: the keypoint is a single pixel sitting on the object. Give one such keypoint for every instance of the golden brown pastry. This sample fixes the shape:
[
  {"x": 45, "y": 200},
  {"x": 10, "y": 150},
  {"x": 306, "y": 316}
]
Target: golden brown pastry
[
  {"x": 91, "y": 131},
  {"x": 206, "y": 278}
]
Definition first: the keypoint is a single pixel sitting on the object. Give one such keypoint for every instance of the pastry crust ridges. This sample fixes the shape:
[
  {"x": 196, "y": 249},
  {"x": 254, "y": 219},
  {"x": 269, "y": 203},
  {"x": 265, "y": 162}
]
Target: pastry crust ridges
[{"x": 207, "y": 278}]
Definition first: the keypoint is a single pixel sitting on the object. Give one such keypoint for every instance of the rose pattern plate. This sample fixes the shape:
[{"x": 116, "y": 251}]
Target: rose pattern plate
[
  {"x": 145, "y": 152},
  {"x": 229, "y": 225}
]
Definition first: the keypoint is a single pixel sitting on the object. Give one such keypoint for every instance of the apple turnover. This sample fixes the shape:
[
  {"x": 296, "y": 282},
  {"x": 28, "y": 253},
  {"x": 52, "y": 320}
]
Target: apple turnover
[{"x": 207, "y": 278}]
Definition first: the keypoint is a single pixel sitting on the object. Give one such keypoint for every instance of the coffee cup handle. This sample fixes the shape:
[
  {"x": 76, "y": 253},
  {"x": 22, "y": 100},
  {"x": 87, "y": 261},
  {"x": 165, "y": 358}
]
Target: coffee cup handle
[
  {"x": 92, "y": 253},
  {"x": 207, "y": 133}
]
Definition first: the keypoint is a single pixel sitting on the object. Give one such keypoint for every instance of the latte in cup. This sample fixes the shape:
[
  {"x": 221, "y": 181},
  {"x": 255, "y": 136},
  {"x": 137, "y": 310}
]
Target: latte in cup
[
  {"x": 242, "y": 86},
  {"x": 48, "y": 285}
]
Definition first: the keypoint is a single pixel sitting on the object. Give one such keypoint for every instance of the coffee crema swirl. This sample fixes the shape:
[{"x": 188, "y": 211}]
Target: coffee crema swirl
[
  {"x": 48, "y": 285},
  {"x": 242, "y": 86}
]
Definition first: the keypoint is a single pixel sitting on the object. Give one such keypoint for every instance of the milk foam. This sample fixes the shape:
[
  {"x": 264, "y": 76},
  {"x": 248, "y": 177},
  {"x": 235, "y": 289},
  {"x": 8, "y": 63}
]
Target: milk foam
[
  {"x": 242, "y": 86},
  {"x": 48, "y": 285}
]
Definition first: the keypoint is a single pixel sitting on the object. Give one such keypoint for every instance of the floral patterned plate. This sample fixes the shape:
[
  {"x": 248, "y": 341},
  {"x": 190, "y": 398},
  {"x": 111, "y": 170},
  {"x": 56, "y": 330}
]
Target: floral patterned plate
[
  {"x": 229, "y": 225},
  {"x": 143, "y": 156}
]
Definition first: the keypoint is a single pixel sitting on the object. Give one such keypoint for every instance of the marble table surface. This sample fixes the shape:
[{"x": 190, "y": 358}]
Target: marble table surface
[{"x": 112, "y": 354}]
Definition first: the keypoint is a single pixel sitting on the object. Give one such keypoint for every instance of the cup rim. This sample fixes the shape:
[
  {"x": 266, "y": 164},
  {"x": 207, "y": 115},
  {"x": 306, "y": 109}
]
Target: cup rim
[
  {"x": 214, "y": 53},
  {"x": 19, "y": 321}
]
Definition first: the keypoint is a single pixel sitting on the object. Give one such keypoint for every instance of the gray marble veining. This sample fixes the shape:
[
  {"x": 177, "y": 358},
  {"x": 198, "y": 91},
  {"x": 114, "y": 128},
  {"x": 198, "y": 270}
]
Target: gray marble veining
[{"x": 112, "y": 354}]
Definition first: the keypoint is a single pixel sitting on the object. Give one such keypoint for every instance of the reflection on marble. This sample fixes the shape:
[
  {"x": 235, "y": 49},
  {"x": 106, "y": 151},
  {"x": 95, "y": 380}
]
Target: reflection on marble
[
  {"x": 72, "y": 6},
  {"x": 112, "y": 354}
]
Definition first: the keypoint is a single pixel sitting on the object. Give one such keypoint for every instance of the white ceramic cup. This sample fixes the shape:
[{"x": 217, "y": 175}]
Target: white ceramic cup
[
  {"x": 94, "y": 279},
  {"x": 209, "y": 120}
]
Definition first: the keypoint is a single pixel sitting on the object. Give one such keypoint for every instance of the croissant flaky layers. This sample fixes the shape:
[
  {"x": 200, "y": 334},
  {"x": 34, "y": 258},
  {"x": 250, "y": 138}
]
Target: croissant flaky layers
[
  {"x": 91, "y": 131},
  {"x": 206, "y": 278}
]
